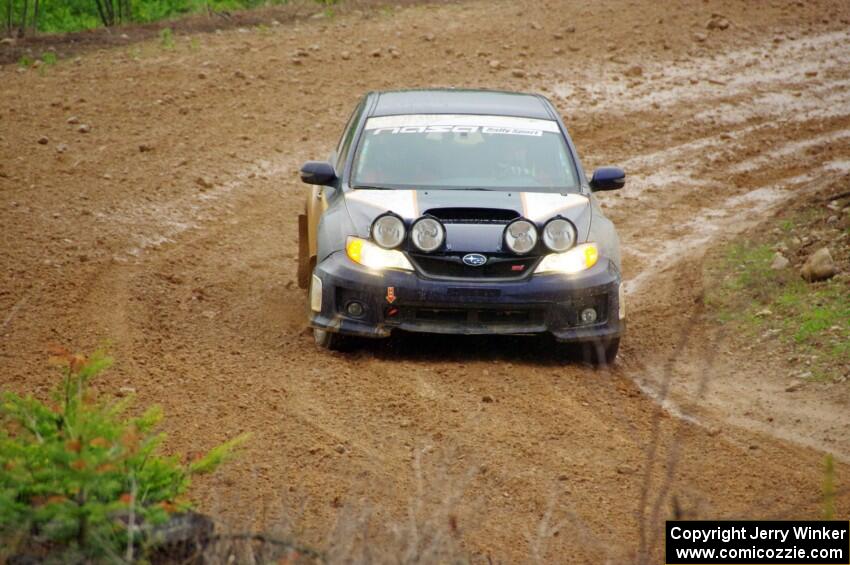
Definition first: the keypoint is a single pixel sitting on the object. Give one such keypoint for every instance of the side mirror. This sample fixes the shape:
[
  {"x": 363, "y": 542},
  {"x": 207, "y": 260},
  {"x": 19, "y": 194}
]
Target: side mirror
[
  {"x": 608, "y": 178},
  {"x": 317, "y": 172}
]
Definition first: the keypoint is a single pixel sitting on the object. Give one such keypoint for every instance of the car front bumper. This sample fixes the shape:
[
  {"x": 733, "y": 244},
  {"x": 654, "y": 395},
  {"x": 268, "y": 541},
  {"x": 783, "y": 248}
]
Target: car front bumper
[{"x": 407, "y": 301}]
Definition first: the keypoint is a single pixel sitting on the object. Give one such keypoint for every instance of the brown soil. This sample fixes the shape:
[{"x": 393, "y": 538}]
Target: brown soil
[
  {"x": 66, "y": 45},
  {"x": 170, "y": 230}
]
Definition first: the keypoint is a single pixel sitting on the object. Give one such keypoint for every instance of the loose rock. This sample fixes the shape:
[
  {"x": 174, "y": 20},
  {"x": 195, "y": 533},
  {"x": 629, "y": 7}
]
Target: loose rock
[
  {"x": 819, "y": 266},
  {"x": 794, "y": 386},
  {"x": 204, "y": 182},
  {"x": 43, "y": 140},
  {"x": 518, "y": 73},
  {"x": 717, "y": 22},
  {"x": 779, "y": 262}
]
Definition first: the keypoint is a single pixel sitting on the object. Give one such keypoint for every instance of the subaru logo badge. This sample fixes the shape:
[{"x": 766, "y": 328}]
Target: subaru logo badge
[{"x": 474, "y": 259}]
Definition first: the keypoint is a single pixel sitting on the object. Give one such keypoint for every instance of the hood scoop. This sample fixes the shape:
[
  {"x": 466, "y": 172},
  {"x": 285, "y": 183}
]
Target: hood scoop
[{"x": 473, "y": 215}]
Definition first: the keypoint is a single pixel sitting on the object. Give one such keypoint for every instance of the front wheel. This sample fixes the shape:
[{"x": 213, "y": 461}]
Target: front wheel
[
  {"x": 600, "y": 353},
  {"x": 326, "y": 340},
  {"x": 330, "y": 340}
]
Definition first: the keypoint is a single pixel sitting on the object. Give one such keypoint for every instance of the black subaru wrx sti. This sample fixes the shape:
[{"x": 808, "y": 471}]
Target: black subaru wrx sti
[{"x": 460, "y": 212}]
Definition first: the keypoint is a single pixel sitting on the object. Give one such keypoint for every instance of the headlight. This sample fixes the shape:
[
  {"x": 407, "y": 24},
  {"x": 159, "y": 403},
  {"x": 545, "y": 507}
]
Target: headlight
[
  {"x": 427, "y": 234},
  {"x": 520, "y": 236},
  {"x": 388, "y": 231},
  {"x": 559, "y": 235},
  {"x": 576, "y": 260},
  {"x": 370, "y": 255}
]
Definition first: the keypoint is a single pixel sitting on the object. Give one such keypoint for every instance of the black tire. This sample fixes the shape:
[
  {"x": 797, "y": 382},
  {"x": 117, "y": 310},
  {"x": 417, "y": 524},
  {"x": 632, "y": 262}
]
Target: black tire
[
  {"x": 600, "y": 353},
  {"x": 330, "y": 340}
]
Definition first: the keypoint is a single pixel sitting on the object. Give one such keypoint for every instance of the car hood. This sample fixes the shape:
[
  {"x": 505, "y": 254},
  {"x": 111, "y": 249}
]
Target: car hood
[{"x": 364, "y": 205}]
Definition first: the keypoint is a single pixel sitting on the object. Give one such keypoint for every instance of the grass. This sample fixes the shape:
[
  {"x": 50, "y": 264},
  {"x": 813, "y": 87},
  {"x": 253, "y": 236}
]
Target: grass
[
  {"x": 166, "y": 38},
  {"x": 811, "y": 319},
  {"x": 78, "y": 15}
]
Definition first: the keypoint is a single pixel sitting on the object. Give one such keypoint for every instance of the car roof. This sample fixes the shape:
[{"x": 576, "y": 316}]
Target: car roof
[{"x": 450, "y": 101}]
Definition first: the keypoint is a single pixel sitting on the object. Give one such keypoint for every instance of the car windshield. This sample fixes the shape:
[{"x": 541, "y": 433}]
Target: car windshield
[{"x": 464, "y": 152}]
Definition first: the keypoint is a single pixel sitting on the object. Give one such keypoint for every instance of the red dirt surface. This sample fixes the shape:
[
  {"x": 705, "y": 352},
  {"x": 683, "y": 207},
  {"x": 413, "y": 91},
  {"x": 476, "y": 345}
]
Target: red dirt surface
[{"x": 169, "y": 229}]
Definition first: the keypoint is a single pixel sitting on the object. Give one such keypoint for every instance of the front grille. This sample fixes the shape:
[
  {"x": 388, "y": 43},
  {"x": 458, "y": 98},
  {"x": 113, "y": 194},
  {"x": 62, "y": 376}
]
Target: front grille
[
  {"x": 479, "y": 316},
  {"x": 452, "y": 266}
]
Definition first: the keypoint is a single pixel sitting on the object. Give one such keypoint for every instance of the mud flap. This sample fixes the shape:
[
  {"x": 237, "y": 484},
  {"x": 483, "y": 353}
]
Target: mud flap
[{"x": 303, "y": 252}]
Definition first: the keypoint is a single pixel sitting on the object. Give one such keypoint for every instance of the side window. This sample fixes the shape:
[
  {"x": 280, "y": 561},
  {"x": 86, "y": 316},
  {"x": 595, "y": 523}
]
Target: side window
[
  {"x": 339, "y": 154},
  {"x": 347, "y": 137}
]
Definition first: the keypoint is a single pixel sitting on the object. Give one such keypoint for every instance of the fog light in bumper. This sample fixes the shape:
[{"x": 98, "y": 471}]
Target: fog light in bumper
[
  {"x": 355, "y": 309},
  {"x": 588, "y": 316}
]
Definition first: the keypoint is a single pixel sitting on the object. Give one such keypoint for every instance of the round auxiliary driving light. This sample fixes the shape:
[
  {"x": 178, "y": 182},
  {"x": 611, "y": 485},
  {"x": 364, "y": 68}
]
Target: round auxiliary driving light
[
  {"x": 388, "y": 231},
  {"x": 521, "y": 236},
  {"x": 427, "y": 234},
  {"x": 354, "y": 309},
  {"x": 588, "y": 316},
  {"x": 559, "y": 235}
]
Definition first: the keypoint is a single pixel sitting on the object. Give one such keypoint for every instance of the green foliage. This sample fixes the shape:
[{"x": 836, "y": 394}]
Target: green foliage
[
  {"x": 166, "y": 38},
  {"x": 76, "y": 470},
  {"x": 56, "y": 16},
  {"x": 812, "y": 318},
  {"x": 48, "y": 58}
]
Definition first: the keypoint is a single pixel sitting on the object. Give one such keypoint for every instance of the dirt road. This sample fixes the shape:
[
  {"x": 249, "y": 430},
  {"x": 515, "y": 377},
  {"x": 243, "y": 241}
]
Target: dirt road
[{"x": 169, "y": 229}]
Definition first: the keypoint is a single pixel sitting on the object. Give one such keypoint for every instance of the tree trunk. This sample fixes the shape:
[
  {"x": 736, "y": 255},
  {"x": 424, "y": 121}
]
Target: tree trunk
[
  {"x": 35, "y": 17},
  {"x": 110, "y": 11},
  {"x": 101, "y": 13},
  {"x": 22, "y": 28},
  {"x": 9, "y": 17}
]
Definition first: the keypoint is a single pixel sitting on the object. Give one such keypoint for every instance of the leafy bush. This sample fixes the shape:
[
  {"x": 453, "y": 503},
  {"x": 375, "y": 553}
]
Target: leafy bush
[
  {"x": 79, "y": 477},
  {"x": 74, "y": 15}
]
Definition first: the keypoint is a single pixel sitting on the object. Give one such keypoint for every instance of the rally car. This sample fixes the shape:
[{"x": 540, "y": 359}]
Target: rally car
[{"x": 459, "y": 212}]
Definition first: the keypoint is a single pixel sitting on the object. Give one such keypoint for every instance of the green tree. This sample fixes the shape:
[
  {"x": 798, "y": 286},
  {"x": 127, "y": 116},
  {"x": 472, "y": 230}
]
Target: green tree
[{"x": 80, "y": 478}]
